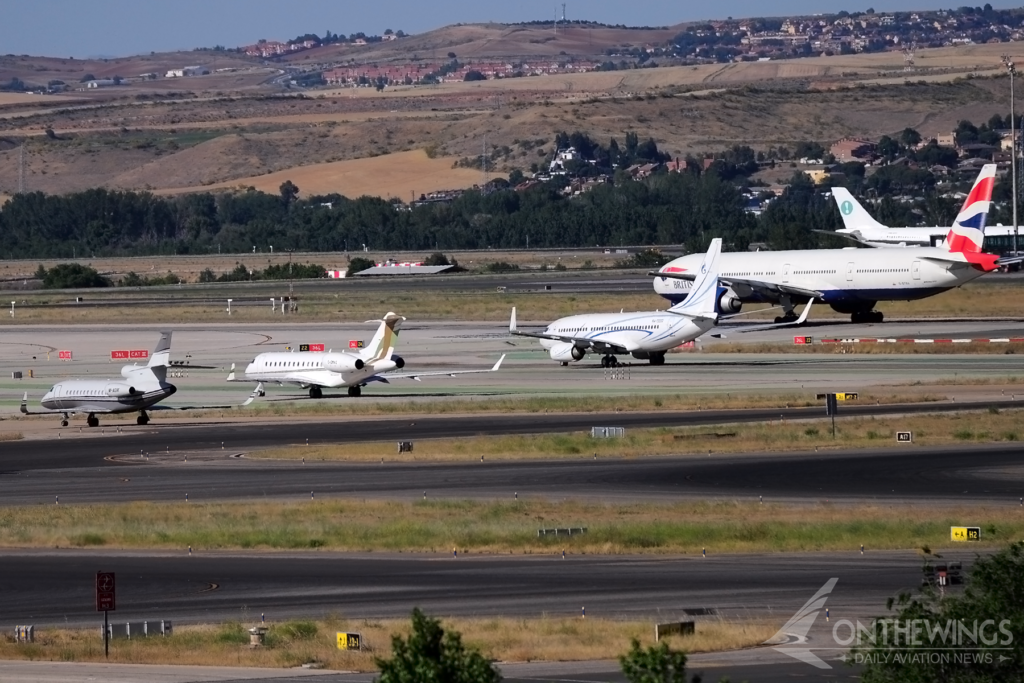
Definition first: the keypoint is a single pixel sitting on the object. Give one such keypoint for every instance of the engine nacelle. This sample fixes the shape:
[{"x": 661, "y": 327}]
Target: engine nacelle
[
  {"x": 343, "y": 362},
  {"x": 399, "y": 361},
  {"x": 121, "y": 391},
  {"x": 567, "y": 352},
  {"x": 729, "y": 303}
]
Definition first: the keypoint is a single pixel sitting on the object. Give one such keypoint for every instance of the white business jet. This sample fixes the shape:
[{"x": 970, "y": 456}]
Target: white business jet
[
  {"x": 645, "y": 335},
  {"x": 335, "y": 369},
  {"x": 140, "y": 388}
]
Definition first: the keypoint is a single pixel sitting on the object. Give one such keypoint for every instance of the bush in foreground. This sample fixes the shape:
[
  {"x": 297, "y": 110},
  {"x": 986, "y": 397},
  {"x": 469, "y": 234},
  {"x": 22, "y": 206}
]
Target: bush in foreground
[{"x": 430, "y": 655}]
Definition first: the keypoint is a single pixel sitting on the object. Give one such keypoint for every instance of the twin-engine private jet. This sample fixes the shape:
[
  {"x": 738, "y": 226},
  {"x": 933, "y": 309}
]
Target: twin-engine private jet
[
  {"x": 140, "y": 388},
  {"x": 335, "y": 369},
  {"x": 646, "y": 335}
]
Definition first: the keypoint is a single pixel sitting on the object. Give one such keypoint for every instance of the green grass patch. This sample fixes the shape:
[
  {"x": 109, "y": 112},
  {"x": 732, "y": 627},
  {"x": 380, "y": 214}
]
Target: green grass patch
[{"x": 497, "y": 527}]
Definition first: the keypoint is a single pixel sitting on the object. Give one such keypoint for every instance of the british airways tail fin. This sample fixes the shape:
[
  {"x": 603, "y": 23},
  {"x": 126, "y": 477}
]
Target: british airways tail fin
[
  {"x": 856, "y": 219},
  {"x": 968, "y": 232},
  {"x": 702, "y": 301}
]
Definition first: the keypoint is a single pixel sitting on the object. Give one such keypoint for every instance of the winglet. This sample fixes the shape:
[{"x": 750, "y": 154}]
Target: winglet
[
  {"x": 807, "y": 310},
  {"x": 24, "y": 402},
  {"x": 498, "y": 364},
  {"x": 231, "y": 375},
  {"x": 512, "y": 322},
  {"x": 258, "y": 391}
]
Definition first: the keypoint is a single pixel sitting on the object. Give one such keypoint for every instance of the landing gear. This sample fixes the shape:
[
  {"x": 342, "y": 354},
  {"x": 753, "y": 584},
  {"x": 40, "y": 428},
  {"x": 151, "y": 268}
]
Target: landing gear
[
  {"x": 64, "y": 420},
  {"x": 355, "y": 392},
  {"x": 789, "y": 317},
  {"x": 609, "y": 361},
  {"x": 92, "y": 420},
  {"x": 316, "y": 392},
  {"x": 565, "y": 364},
  {"x": 658, "y": 358},
  {"x": 142, "y": 419},
  {"x": 867, "y": 317}
]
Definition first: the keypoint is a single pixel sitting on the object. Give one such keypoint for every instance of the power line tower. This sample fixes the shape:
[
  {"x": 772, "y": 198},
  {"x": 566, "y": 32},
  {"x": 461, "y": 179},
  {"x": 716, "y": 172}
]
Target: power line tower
[{"x": 908, "y": 57}]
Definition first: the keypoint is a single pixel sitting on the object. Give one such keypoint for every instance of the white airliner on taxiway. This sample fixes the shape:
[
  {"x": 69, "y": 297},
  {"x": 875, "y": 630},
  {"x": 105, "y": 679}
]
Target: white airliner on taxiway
[
  {"x": 860, "y": 226},
  {"x": 140, "y": 388},
  {"x": 644, "y": 335},
  {"x": 336, "y": 369},
  {"x": 850, "y": 280}
]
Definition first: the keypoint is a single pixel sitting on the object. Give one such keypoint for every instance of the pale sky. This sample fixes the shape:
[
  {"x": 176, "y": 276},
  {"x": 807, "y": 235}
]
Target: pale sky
[{"x": 82, "y": 28}]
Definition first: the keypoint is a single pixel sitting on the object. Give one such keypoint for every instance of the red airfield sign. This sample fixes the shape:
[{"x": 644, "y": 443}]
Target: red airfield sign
[{"x": 105, "y": 600}]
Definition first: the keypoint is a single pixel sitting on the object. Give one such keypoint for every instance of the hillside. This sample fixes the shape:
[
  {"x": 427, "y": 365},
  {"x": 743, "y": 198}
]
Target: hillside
[
  {"x": 199, "y": 138},
  {"x": 485, "y": 41}
]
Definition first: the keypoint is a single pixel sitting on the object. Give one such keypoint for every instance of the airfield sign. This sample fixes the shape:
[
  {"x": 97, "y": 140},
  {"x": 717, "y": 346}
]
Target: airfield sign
[{"x": 105, "y": 598}]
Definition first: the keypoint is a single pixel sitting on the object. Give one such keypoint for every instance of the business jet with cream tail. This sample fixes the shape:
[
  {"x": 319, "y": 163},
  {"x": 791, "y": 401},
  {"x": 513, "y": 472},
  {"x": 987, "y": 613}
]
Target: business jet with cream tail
[
  {"x": 335, "y": 369},
  {"x": 861, "y": 227},
  {"x": 644, "y": 335},
  {"x": 850, "y": 280}
]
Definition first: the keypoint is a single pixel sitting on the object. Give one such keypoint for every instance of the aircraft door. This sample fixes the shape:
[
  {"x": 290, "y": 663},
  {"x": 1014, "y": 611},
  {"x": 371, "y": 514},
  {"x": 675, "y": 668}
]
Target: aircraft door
[
  {"x": 849, "y": 271},
  {"x": 785, "y": 273},
  {"x": 915, "y": 269}
]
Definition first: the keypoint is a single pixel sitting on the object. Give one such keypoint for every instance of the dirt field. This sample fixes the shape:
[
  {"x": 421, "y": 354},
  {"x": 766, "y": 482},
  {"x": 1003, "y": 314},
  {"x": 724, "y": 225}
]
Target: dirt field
[
  {"x": 219, "y": 132},
  {"x": 404, "y": 175}
]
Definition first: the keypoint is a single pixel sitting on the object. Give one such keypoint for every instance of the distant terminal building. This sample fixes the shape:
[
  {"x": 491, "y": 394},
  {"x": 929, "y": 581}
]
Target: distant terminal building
[{"x": 186, "y": 71}]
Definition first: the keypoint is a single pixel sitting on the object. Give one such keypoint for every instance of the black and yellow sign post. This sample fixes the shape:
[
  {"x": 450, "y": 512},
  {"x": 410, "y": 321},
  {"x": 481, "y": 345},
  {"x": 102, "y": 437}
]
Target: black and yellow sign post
[
  {"x": 832, "y": 405},
  {"x": 350, "y": 641},
  {"x": 965, "y": 533}
]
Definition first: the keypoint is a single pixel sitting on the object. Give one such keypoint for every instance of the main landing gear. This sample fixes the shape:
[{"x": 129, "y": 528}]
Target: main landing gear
[
  {"x": 657, "y": 358},
  {"x": 867, "y": 317},
  {"x": 142, "y": 419},
  {"x": 609, "y": 361},
  {"x": 355, "y": 392},
  {"x": 789, "y": 317},
  {"x": 316, "y": 392},
  {"x": 64, "y": 420},
  {"x": 92, "y": 420}
]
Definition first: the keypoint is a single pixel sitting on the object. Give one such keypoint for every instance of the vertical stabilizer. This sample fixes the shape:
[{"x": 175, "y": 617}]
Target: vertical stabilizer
[
  {"x": 856, "y": 219},
  {"x": 702, "y": 301},
  {"x": 383, "y": 343},
  {"x": 968, "y": 232},
  {"x": 162, "y": 353}
]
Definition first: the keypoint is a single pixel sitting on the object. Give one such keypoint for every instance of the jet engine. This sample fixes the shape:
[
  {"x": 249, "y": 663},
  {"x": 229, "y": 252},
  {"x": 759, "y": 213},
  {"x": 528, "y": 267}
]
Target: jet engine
[
  {"x": 121, "y": 390},
  {"x": 729, "y": 303},
  {"x": 399, "y": 361},
  {"x": 343, "y": 362},
  {"x": 566, "y": 352}
]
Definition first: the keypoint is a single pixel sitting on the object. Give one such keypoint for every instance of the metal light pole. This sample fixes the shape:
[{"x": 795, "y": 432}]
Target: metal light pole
[{"x": 1013, "y": 140}]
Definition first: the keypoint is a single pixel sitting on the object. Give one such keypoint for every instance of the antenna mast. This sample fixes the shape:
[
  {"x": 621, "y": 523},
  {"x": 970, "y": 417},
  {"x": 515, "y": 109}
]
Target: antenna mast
[{"x": 21, "y": 169}]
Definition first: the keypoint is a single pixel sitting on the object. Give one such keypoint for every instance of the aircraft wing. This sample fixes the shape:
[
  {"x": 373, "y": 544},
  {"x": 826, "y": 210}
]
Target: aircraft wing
[
  {"x": 25, "y": 411},
  {"x": 772, "y": 326},
  {"x": 768, "y": 288},
  {"x": 582, "y": 342},
  {"x": 854, "y": 237},
  {"x": 441, "y": 373},
  {"x": 258, "y": 391}
]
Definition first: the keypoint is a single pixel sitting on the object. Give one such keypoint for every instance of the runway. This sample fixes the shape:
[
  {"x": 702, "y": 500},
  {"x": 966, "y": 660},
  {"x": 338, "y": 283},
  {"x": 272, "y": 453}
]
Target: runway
[
  {"x": 990, "y": 474},
  {"x": 55, "y": 586}
]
